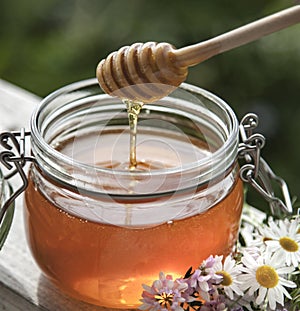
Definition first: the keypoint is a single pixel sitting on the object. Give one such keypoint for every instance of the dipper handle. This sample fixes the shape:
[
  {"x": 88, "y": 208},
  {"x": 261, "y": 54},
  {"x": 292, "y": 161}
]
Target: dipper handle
[{"x": 194, "y": 54}]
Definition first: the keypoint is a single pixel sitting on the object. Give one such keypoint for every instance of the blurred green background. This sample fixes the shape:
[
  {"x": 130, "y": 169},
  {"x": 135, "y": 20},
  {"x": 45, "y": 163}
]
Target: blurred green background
[{"x": 49, "y": 43}]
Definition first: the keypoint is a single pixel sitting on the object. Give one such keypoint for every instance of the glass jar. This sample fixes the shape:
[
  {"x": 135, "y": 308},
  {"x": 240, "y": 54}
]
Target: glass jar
[
  {"x": 99, "y": 230},
  {"x": 8, "y": 214}
]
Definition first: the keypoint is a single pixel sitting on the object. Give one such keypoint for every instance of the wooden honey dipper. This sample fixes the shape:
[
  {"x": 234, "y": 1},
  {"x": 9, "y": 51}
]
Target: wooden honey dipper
[{"x": 149, "y": 71}]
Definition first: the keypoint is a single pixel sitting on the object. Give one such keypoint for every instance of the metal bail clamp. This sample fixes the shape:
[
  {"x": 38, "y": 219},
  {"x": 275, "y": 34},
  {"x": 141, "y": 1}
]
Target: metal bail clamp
[
  {"x": 13, "y": 158},
  {"x": 255, "y": 169}
]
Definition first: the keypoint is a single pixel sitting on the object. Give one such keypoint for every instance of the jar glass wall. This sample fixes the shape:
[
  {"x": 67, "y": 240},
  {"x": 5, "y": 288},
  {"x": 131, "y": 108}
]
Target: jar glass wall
[{"x": 100, "y": 230}]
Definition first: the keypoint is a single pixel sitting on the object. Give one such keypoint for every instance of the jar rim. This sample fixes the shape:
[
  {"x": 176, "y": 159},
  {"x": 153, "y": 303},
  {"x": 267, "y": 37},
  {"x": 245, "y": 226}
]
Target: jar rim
[{"x": 231, "y": 140}]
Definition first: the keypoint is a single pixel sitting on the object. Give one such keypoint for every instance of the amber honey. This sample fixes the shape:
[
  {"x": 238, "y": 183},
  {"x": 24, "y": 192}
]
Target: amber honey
[
  {"x": 107, "y": 264},
  {"x": 100, "y": 225}
]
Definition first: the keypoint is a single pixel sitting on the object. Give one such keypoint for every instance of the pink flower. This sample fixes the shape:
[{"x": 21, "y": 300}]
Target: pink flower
[
  {"x": 164, "y": 294},
  {"x": 204, "y": 278},
  {"x": 217, "y": 303}
]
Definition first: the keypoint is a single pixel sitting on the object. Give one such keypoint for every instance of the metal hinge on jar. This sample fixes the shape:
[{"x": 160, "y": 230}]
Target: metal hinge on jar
[
  {"x": 13, "y": 158},
  {"x": 255, "y": 169}
]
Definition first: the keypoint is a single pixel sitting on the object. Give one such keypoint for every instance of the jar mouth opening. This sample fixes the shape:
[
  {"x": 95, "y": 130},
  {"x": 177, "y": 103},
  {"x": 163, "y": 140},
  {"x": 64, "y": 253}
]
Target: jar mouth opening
[
  {"x": 79, "y": 108},
  {"x": 222, "y": 106}
]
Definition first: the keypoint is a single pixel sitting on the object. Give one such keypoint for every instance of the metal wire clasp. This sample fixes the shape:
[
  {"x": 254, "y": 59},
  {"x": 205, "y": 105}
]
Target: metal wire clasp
[
  {"x": 255, "y": 169},
  {"x": 13, "y": 157}
]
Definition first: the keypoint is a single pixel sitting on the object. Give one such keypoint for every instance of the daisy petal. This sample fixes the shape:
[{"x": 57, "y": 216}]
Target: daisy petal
[{"x": 261, "y": 295}]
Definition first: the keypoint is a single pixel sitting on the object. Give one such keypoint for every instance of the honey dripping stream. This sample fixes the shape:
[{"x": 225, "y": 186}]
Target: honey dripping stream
[{"x": 133, "y": 110}]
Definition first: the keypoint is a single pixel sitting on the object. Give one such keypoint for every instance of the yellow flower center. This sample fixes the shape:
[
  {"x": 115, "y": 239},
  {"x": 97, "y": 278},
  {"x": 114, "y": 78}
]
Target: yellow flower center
[
  {"x": 298, "y": 231},
  {"x": 266, "y": 276},
  {"x": 289, "y": 244},
  {"x": 164, "y": 299},
  {"x": 227, "y": 279}
]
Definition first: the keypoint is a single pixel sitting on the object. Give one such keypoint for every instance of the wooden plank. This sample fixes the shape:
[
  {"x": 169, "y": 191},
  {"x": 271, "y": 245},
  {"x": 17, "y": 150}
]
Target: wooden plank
[
  {"x": 22, "y": 286},
  {"x": 11, "y": 301},
  {"x": 16, "y": 106}
]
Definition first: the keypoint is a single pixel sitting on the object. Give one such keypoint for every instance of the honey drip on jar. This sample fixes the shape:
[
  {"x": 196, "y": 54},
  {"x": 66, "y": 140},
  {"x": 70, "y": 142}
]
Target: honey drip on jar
[{"x": 133, "y": 110}]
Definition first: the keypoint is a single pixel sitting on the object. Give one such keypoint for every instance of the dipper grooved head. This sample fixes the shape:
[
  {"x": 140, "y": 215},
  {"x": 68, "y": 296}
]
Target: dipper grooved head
[{"x": 141, "y": 72}]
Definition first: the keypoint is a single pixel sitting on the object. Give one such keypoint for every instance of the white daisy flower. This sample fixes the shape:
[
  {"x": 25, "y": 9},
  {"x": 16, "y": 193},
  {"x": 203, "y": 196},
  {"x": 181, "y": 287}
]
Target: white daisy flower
[
  {"x": 252, "y": 219},
  {"x": 230, "y": 271},
  {"x": 262, "y": 234},
  {"x": 264, "y": 279},
  {"x": 247, "y": 232},
  {"x": 285, "y": 242}
]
